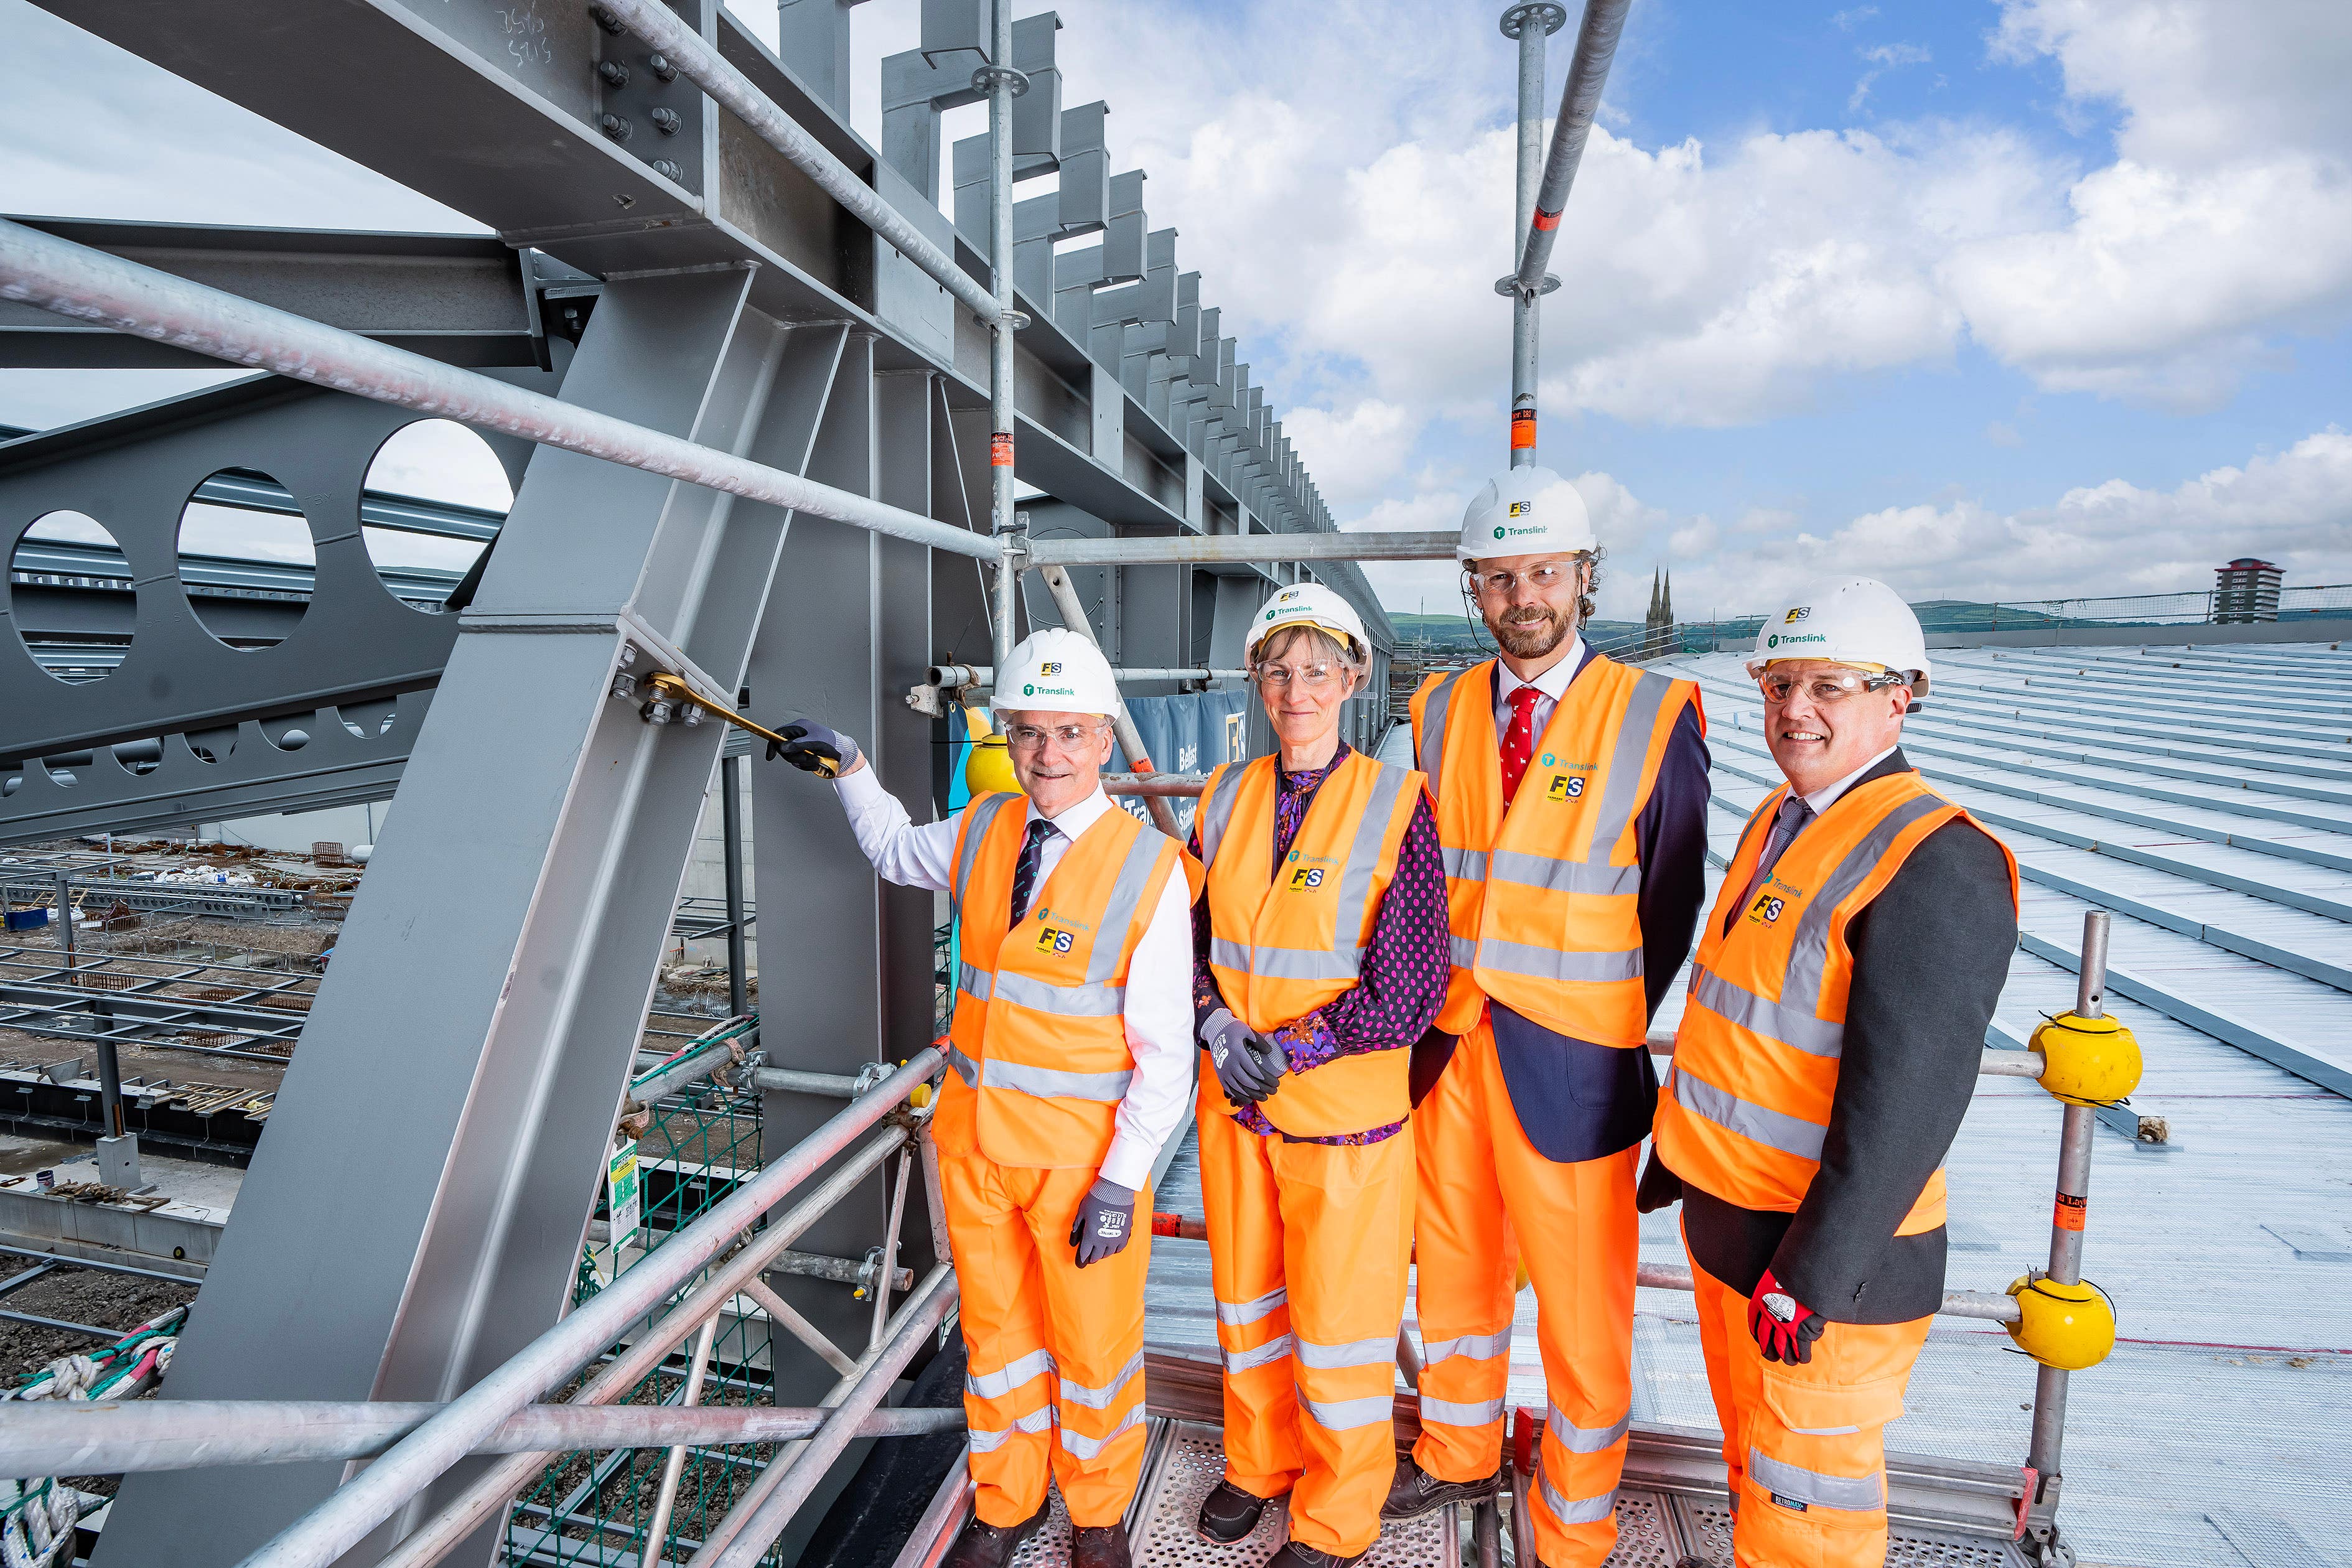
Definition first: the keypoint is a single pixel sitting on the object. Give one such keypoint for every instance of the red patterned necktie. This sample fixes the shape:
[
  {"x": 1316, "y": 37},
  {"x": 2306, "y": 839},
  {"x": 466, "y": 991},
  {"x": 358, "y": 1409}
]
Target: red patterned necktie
[{"x": 1520, "y": 739}]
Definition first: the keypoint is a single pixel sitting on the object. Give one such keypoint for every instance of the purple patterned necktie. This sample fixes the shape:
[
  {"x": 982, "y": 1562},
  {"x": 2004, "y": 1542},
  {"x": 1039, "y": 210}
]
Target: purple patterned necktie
[{"x": 1025, "y": 872}]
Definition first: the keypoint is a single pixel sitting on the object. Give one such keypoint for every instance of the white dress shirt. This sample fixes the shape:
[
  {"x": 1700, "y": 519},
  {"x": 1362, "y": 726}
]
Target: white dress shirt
[
  {"x": 1821, "y": 799},
  {"x": 1551, "y": 687},
  {"x": 1159, "y": 1011}
]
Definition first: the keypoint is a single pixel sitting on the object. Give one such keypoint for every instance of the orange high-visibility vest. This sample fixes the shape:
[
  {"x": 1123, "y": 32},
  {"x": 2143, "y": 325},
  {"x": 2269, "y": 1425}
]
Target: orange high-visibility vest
[
  {"x": 1284, "y": 940},
  {"x": 1543, "y": 900},
  {"x": 1747, "y": 1105},
  {"x": 1039, "y": 1037}
]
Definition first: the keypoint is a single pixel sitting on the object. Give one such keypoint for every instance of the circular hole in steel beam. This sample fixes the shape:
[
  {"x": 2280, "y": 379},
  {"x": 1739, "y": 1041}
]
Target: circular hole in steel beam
[{"x": 71, "y": 596}]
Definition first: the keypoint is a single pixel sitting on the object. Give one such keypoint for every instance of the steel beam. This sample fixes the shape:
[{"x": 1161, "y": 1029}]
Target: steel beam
[
  {"x": 463, "y": 300},
  {"x": 466, "y": 1140}
]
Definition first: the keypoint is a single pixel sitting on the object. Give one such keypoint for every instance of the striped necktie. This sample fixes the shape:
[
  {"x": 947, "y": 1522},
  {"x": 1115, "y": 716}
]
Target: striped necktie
[{"x": 1025, "y": 872}]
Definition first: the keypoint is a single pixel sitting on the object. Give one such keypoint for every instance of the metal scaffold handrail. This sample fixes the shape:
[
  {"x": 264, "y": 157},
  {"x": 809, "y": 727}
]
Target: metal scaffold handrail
[
  {"x": 87, "y": 285},
  {"x": 416, "y": 1461}
]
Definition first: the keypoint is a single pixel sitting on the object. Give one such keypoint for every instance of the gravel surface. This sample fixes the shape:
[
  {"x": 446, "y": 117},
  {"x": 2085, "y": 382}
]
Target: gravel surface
[{"x": 119, "y": 1302}]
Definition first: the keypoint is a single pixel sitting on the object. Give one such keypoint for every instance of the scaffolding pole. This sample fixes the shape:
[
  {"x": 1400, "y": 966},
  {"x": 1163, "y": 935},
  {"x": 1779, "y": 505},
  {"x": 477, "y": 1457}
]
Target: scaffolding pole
[{"x": 1531, "y": 23}]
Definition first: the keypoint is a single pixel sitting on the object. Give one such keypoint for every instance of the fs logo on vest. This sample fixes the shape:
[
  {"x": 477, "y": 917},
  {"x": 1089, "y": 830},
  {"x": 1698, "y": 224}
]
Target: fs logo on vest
[
  {"x": 1565, "y": 788},
  {"x": 1052, "y": 941},
  {"x": 1306, "y": 877},
  {"x": 1766, "y": 909}
]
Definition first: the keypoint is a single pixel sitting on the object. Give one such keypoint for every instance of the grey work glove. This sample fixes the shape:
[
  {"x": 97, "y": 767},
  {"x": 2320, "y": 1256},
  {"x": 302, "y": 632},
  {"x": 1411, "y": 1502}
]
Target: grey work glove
[
  {"x": 1249, "y": 1066},
  {"x": 1106, "y": 1220},
  {"x": 813, "y": 749}
]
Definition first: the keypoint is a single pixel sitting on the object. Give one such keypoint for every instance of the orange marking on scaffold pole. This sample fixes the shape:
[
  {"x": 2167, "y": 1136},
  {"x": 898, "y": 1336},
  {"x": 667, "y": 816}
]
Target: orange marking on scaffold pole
[
  {"x": 1523, "y": 429},
  {"x": 1546, "y": 221},
  {"x": 2070, "y": 1212},
  {"x": 1000, "y": 449}
]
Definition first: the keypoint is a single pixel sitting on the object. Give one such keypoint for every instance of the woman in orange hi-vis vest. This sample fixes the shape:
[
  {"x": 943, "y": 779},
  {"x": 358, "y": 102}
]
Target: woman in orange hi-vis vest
[
  {"x": 1070, "y": 1053},
  {"x": 1319, "y": 959},
  {"x": 1837, "y": 1011},
  {"x": 1571, "y": 805}
]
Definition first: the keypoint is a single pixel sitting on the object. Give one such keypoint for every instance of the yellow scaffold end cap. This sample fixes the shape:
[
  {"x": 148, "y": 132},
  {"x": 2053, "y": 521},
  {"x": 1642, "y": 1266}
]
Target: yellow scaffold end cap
[
  {"x": 2070, "y": 1326},
  {"x": 920, "y": 1097},
  {"x": 2087, "y": 1061},
  {"x": 988, "y": 767}
]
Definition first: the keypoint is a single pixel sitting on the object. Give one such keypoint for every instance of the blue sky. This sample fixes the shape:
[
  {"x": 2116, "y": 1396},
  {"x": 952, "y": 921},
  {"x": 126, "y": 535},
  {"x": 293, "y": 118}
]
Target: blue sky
[{"x": 1984, "y": 297}]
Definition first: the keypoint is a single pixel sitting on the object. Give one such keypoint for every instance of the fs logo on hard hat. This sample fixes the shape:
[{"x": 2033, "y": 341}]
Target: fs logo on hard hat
[
  {"x": 1799, "y": 614},
  {"x": 1051, "y": 667},
  {"x": 1519, "y": 508}
]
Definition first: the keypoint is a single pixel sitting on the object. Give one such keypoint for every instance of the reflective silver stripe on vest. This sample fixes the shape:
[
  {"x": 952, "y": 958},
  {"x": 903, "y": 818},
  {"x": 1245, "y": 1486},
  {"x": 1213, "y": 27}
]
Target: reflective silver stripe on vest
[
  {"x": 1125, "y": 902},
  {"x": 1274, "y": 1350},
  {"x": 1364, "y": 854},
  {"x": 1011, "y": 1376},
  {"x": 1791, "y": 1027},
  {"x": 1774, "y": 1129},
  {"x": 1431, "y": 753},
  {"x": 1576, "y": 1511},
  {"x": 1581, "y": 1439},
  {"x": 1052, "y": 1083},
  {"x": 1464, "y": 865},
  {"x": 985, "y": 1440},
  {"x": 1101, "y": 1398},
  {"x": 1624, "y": 789},
  {"x": 1463, "y": 950},
  {"x": 1809, "y": 948},
  {"x": 974, "y": 982},
  {"x": 1357, "y": 1353},
  {"x": 1555, "y": 963},
  {"x": 1470, "y": 1347},
  {"x": 978, "y": 818},
  {"x": 1854, "y": 1494},
  {"x": 1090, "y": 1000},
  {"x": 1346, "y": 1414},
  {"x": 1086, "y": 1447},
  {"x": 966, "y": 1069},
  {"x": 1285, "y": 962},
  {"x": 1451, "y": 1413},
  {"x": 1561, "y": 876},
  {"x": 1234, "y": 1314},
  {"x": 1217, "y": 809}
]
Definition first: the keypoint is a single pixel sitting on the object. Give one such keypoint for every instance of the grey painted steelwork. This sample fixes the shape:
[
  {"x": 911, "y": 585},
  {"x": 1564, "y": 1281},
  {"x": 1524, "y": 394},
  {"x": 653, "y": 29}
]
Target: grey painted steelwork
[
  {"x": 460, "y": 299},
  {"x": 75, "y": 281}
]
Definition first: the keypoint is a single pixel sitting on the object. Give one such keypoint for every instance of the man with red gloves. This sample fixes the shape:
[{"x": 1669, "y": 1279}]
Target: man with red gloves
[{"x": 1836, "y": 1018}]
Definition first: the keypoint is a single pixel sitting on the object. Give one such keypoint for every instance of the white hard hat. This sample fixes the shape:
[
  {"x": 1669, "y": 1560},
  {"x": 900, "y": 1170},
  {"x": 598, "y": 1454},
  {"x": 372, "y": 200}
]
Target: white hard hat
[
  {"x": 1310, "y": 605},
  {"x": 1525, "y": 511},
  {"x": 1848, "y": 620},
  {"x": 1055, "y": 670}
]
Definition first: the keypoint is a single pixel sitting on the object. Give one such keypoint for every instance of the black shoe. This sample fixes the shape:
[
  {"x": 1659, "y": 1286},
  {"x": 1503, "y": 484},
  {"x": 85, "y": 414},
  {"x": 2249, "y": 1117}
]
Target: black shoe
[
  {"x": 1101, "y": 1546},
  {"x": 993, "y": 1545},
  {"x": 1228, "y": 1513},
  {"x": 1416, "y": 1492},
  {"x": 1294, "y": 1555}
]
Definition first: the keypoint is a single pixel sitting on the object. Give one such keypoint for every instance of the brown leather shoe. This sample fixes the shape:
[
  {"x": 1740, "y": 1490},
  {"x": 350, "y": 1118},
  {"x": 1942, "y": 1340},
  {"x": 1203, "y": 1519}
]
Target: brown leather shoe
[
  {"x": 1098, "y": 1546},
  {"x": 1414, "y": 1491},
  {"x": 993, "y": 1545}
]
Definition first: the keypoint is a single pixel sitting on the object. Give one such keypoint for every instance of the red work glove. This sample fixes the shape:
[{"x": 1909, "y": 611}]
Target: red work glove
[{"x": 1784, "y": 1327}]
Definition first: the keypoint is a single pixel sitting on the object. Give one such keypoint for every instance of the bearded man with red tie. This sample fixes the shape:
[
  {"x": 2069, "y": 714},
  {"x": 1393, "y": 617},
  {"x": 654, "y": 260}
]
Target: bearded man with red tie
[{"x": 1571, "y": 796}]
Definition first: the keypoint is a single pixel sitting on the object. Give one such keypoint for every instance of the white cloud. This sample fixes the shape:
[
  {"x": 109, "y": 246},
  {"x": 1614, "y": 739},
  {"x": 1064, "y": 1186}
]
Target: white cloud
[
  {"x": 2224, "y": 222},
  {"x": 1846, "y": 21}
]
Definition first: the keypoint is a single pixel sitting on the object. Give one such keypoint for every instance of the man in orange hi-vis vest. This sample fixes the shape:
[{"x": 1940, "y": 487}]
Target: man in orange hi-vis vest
[
  {"x": 1571, "y": 814},
  {"x": 1836, "y": 1018},
  {"x": 1071, "y": 1051}
]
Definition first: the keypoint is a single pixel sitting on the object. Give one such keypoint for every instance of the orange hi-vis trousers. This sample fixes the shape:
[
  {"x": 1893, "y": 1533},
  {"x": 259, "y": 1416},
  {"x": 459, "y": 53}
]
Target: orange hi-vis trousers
[
  {"x": 1055, "y": 1380},
  {"x": 1488, "y": 1202},
  {"x": 1805, "y": 1445},
  {"x": 1309, "y": 1248}
]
